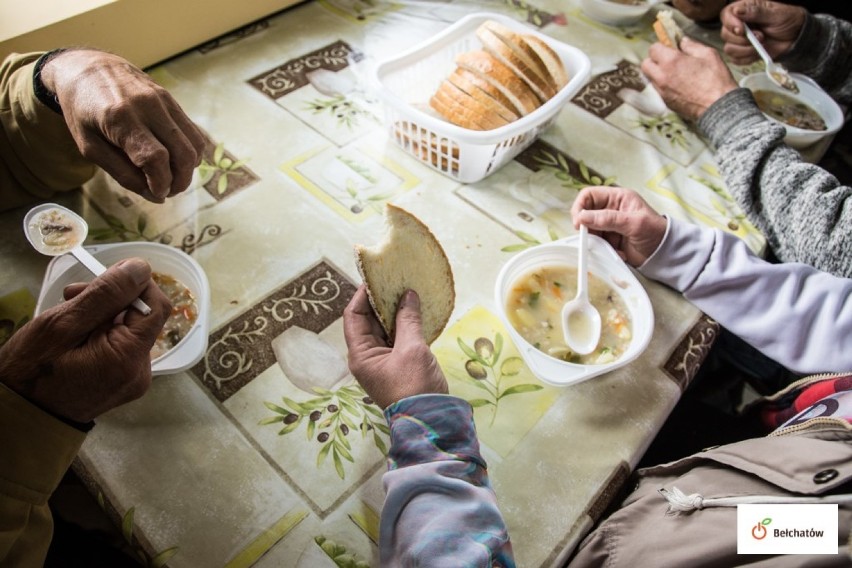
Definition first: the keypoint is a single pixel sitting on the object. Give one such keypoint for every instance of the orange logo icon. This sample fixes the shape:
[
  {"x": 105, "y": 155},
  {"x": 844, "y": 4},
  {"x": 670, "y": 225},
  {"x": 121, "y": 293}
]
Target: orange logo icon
[{"x": 759, "y": 531}]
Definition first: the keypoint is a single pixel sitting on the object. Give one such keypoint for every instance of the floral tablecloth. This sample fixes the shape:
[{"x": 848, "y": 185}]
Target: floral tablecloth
[{"x": 266, "y": 452}]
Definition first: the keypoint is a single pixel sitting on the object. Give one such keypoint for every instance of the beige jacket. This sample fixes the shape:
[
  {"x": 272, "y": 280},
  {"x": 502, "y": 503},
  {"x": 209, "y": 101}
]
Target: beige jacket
[
  {"x": 38, "y": 156},
  {"x": 35, "y": 452},
  {"x": 812, "y": 459}
]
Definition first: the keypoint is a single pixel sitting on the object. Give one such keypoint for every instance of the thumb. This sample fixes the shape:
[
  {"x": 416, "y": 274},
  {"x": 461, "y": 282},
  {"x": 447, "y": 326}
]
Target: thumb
[
  {"x": 408, "y": 320},
  {"x": 109, "y": 294}
]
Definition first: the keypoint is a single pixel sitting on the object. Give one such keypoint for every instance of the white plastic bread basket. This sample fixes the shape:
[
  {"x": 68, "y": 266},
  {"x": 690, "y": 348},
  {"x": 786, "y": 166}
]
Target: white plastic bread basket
[{"x": 406, "y": 82}]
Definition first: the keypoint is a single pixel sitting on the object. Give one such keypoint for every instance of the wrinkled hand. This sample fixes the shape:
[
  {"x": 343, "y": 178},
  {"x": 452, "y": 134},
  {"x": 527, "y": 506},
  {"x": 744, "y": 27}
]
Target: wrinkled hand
[
  {"x": 390, "y": 374},
  {"x": 623, "y": 218},
  {"x": 82, "y": 358},
  {"x": 689, "y": 80},
  {"x": 125, "y": 123},
  {"x": 700, "y": 10},
  {"x": 776, "y": 25}
]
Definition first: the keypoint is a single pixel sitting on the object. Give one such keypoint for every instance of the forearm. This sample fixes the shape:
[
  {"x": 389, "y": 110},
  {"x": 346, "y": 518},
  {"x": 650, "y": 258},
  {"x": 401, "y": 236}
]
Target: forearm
[
  {"x": 800, "y": 208},
  {"x": 35, "y": 452},
  {"x": 38, "y": 156},
  {"x": 793, "y": 313},
  {"x": 440, "y": 507},
  {"x": 823, "y": 51}
]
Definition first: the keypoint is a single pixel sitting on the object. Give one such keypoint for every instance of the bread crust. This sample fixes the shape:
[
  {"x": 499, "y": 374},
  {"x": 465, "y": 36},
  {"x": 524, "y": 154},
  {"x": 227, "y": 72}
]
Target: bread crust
[
  {"x": 521, "y": 46},
  {"x": 551, "y": 60},
  {"x": 486, "y": 67},
  {"x": 494, "y": 45},
  {"x": 471, "y": 83},
  {"x": 488, "y": 103},
  {"x": 667, "y": 30}
]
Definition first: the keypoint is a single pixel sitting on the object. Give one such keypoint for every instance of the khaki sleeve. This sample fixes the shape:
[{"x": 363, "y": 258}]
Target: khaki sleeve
[
  {"x": 38, "y": 156},
  {"x": 36, "y": 450}
]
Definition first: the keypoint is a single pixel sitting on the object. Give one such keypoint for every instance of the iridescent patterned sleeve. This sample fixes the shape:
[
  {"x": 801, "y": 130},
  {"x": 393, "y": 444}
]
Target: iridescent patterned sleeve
[{"x": 440, "y": 509}]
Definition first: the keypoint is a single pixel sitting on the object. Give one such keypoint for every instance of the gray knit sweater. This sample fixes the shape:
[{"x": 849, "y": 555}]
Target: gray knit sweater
[{"x": 804, "y": 211}]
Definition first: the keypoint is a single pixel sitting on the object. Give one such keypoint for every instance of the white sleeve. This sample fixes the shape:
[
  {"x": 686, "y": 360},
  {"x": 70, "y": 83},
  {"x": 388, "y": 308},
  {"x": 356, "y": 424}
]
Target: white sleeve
[{"x": 791, "y": 312}]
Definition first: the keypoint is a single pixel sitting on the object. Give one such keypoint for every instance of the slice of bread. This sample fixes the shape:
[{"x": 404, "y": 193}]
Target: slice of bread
[
  {"x": 486, "y": 67},
  {"x": 511, "y": 58},
  {"x": 491, "y": 100},
  {"x": 667, "y": 30},
  {"x": 462, "y": 109},
  {"x": 521, "y": 46},
  {"x": 550, "y": 59},
  {"x": 475, "y": 86},
  {"x": 409, "y": 257}
]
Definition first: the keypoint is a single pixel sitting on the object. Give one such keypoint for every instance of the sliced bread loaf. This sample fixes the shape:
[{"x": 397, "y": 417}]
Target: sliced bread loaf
[
  {"x": 521, "y": 48},
  {"x": 551, "y": 60},
  {"x": 486, "y": 93},
  {"x": 486, "y": 67},
  {"x": 505, "y": 54}
]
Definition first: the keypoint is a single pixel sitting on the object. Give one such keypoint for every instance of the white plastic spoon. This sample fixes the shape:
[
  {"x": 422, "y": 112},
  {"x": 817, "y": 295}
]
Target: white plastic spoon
[
  {"x": 54, "y": 230},
  {"x": 581, "y": 321},
  {"x": 777, "y": 73}
]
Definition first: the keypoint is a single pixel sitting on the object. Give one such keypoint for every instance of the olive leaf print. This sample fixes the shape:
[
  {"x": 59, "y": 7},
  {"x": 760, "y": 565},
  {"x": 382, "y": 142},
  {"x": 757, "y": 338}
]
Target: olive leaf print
[
  {"x": 486, "y": 371},
  {"x": 669, "y": 127},
  {"x": 558, "y": 164},
  {"x": 329, "y": 418},
  {"x": 219, "y": 164}
]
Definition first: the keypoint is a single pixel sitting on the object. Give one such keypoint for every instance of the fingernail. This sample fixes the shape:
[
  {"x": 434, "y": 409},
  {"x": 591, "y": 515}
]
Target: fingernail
[
  {"x": 410, "y": 300},
  {"x": 138, "y": 268}
]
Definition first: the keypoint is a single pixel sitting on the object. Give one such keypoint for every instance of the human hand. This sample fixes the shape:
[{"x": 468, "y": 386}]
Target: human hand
[
  {"x": 124, "y": 122},
  {"x": 90, "y": 353},
  {"x": 700, "y": 10},
  {"x": 689, "y": 80},
  {"x": 776, "y": 25},
  {"x": 623, "y": 218},
  {"x": 390, "y": 374}
]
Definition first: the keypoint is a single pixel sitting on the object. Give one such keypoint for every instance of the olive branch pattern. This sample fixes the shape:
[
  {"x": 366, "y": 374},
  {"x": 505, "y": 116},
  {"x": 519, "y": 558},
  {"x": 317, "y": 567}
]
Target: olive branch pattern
[
  {"x": 330, "y": 417},
  {"x": 348, "y": 113},
  {"x": 219, "y": 164},
  {"x": 485, "y": 371},
  {"x": 338, "y": 554},
  {"x": 669, "y": 127}
]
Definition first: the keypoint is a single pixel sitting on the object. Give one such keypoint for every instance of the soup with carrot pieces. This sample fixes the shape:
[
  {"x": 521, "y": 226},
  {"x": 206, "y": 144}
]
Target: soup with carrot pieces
[
  {"x": 534, "y": 308},
  {"x": 183, "y": 316}
]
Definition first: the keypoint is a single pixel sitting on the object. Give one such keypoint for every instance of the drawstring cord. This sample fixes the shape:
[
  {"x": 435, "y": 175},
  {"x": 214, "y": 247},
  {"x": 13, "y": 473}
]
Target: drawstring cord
[{"x": 680, "y": 502}]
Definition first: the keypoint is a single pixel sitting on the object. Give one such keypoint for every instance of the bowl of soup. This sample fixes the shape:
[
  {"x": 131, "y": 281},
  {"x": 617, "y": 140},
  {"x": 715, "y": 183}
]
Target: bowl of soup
[
  {"x": 183, "y": 340},
  {"x": 534, "y": 285},
  {"x": 808, "y": 116},
  {"x": 616, "y": 12}
]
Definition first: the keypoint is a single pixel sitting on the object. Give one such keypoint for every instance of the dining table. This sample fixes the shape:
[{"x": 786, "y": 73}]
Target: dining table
[{"x": 246, "y": 459}]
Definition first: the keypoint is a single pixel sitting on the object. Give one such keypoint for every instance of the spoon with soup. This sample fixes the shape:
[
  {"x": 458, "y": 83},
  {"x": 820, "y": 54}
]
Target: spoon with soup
[
  {"x": 581, "y": 321},
  {"x": 54, "y": 230},
  {"x": 776, "y": 72}
]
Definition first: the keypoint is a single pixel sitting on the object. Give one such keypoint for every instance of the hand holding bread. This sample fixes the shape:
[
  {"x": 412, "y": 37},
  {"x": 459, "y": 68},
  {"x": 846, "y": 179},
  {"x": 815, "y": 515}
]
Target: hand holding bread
[{"x": 510, "y": 77}]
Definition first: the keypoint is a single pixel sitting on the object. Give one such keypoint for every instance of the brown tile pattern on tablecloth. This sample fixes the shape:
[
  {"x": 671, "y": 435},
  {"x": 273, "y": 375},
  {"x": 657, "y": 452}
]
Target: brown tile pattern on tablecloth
[
  {"x": 540, "y": 155},
  {"x": 599, "y": 95},
  {"x": 237, "y": 176},
  {"x": 292, "y": 75},
  {"x": 687, "y": 357},
  {"x": 242, "y": 349}
]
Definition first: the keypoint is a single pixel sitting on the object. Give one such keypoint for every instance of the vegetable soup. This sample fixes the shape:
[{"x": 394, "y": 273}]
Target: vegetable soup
[
  {"x": 534, "y": 308},
  {"x": 788, "y": 110},
  {"x": 183, "y": 316}
]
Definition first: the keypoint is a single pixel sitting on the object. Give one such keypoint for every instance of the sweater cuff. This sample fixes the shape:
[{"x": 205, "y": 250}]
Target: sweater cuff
[
  {"x": 682, "y": 255},
  {"x": 36, "y": 449},
  {"x": 733, "y": 112},
  {"x": 431, "y": 428}
]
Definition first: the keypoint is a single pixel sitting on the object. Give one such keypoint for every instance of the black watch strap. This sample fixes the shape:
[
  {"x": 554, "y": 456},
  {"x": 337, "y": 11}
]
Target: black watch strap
[{"x": 42, "y": 93}]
